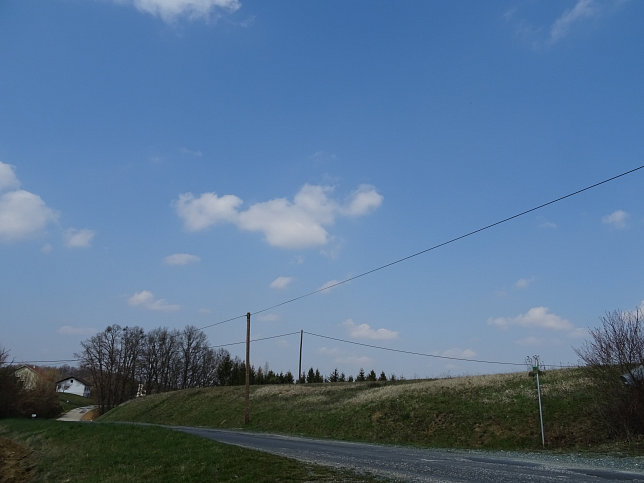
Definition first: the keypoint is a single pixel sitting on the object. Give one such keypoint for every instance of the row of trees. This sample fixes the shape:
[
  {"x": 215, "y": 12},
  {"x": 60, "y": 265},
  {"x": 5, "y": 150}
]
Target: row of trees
[
  {"x": 313, "y": 376},
  {"x": 122, "y": 362},
  {"x": 16, "y": 400}
]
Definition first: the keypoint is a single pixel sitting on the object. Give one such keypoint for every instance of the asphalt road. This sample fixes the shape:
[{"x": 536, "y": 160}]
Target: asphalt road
[{"x": 412, "y": 464}]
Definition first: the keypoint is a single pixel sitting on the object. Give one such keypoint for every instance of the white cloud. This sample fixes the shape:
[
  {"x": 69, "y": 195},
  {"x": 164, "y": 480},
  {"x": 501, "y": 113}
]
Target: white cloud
[
  {"x": 364, "y": 331},
  {"x": 617, "y": 219},
  {"x": 281, "y": 282},
  {"x": 170, "y": 10},
  {"x": 523, "y": 282},
  {"x": 181, "y": 259},
  {"x": 326, "y": 287},
  {"x": 191, "y": 152},
  {"x": 78, "y": 238},
  {"x": 561, "y": 26},
  {"x": 207, "y": 210},
  {"x": 536, "y": 317},
  {"x": 47, "y": 248},
  {"x": 363, "y": 200},
  {"x": 23, "y": 215},
  {"x": 8, "y": 179},
  {"x": 146, "y": 299},
  {"x": 69, "y": 330},
  {"x": 300, "y": 223}
]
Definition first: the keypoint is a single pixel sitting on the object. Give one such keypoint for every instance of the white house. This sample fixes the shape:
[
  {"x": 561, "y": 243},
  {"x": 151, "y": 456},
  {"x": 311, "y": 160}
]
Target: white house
[{"x": 73, "y": 385}]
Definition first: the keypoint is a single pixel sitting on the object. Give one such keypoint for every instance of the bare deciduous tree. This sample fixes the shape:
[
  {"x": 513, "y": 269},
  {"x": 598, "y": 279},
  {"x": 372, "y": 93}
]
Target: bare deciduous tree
[{"x": 614, "y": 358}]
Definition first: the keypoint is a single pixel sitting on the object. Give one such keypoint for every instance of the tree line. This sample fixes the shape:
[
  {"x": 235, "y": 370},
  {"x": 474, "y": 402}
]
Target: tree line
[
  {"x": 123, "y": 362},
  {"x": 18, "y": 400}
]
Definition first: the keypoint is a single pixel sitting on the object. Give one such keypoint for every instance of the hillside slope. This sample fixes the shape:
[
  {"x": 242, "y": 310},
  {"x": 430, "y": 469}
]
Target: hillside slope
[{"x": 494, "y": 411}]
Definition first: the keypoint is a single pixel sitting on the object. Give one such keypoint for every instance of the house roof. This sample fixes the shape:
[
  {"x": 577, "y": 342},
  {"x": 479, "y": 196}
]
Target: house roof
[
  {"x": 35, "y": 369},
  {"x": 79, "y": 379}
]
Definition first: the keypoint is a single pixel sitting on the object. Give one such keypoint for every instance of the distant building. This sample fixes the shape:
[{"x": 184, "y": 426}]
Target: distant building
[
  {"x": 73, "y": 385},
  {"x": 29, "y": 375}
]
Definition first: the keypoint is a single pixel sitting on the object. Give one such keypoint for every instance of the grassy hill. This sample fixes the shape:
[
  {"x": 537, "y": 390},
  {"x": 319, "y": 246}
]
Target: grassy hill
[{"x": 494, "y": 411}]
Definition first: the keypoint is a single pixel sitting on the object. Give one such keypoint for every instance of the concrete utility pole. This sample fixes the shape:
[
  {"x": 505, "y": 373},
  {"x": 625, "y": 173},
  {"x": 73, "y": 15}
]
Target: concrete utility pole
[
  {"x": 247, "y": 404},
  {"x": 299, "y": 372},
  {"x": 535, "y": 373}
]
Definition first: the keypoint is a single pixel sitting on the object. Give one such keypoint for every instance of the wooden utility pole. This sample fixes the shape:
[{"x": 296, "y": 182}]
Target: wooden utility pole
[
  {"x": 299, "y": 373},
  {"x": 247, "y": 405}
]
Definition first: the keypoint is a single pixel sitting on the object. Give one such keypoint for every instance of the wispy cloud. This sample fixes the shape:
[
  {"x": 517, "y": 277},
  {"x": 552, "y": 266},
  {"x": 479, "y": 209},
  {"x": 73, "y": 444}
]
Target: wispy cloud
[
  {"x": 171, "y": 10},
  {"x": 78, "y": 238},
  {"x": 617, "y": 219},
  {"x": 583, "y": 9},
  {"x": 181, "y": 259},
  {"x": 281, "y": 282},
  {"x": 555, "y": 31},
  {"x": 548, "y": 224},
  {"x": 326, "y": 287},
  {"x": 523, "y": 282},
  {"x": 146, "y": 299},
  {"x": 270, "y": 317},
  {"x": 536, "y": 317},
  {"x": 192, "y": 152},
  {"x": 300, "y": 223},
  {"x": 364, "y": 331}
]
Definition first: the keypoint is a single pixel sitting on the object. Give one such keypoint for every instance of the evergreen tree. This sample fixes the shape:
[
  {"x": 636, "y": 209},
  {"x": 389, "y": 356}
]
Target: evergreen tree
[{"x": 335, "y": 376}]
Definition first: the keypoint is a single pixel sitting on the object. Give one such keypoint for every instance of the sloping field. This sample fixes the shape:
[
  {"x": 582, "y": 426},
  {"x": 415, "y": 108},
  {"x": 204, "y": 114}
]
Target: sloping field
[{"x": 494, "y": 411}]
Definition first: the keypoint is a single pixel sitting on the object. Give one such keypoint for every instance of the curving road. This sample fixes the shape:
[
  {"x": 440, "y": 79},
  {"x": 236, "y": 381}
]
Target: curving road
[{"x": 414, "y": 464}]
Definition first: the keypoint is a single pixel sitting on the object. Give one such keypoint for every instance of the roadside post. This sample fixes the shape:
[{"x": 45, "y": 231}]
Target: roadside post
[
  {"x": 535, "y": 373},
  {"x": 247, "y": 388}
]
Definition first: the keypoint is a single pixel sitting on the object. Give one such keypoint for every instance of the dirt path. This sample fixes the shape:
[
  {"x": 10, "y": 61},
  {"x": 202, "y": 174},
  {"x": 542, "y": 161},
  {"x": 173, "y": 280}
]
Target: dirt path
[
  {"x": 79, "y": 414},
  {"x": 15, "y": 462}
]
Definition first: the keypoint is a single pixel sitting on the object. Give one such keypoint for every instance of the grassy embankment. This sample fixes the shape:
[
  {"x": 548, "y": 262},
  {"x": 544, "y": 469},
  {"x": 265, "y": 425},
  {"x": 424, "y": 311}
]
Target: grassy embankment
[
  {"x": 46, "y": 450},
  {"x": 71, "y": 401},
  {"x": 495, "y": 412}
]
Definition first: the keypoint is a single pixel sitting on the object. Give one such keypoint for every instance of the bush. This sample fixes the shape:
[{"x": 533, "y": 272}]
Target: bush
[{"x": 614, "y": 357}]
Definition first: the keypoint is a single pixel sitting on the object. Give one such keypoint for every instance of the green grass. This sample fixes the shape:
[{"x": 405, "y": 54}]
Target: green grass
[
  {"x": 494, "y": 412},
  {"x": 88, "y": 452}
]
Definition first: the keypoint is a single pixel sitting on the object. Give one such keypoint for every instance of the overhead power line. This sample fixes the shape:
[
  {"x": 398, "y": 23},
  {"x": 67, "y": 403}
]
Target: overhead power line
[
  {"x": 426, "y": 250},
  {"x": 415, "y": 353},
  {"x": 254, "y": 340},
  {"x": 43, "y": 362}
]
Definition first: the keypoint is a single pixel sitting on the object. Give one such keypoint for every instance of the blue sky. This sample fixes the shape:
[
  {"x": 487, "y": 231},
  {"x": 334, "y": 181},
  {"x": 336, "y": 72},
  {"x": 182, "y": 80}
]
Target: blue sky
[{"x": 174, "y": 162}]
